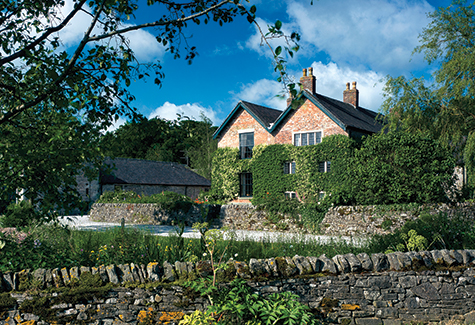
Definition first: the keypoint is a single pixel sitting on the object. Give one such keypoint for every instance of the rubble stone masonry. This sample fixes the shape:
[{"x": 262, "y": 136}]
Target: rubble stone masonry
[{"x": 381, "y": 289}]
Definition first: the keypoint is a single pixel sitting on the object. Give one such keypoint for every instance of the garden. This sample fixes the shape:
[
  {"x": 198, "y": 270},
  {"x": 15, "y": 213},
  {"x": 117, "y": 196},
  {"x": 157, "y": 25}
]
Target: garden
[{"x": 29, "y": 244}]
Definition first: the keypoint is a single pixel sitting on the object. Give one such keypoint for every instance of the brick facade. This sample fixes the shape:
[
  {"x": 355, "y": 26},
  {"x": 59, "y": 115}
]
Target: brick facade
[
  {"x": 307, "y": 117},
  {"x": 242, "y": 121}
]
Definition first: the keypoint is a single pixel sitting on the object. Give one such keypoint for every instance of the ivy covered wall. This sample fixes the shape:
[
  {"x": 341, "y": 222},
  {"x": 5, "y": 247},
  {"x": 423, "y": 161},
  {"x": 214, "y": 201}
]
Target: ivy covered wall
[{"x": 382, "y": 169}]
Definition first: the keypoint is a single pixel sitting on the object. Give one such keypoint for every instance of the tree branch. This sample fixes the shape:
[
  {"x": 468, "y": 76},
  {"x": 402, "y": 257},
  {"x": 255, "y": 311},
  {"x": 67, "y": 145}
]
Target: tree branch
[
  {"x": 159, "y": 23},
  {"x": 45, "y": 35}
]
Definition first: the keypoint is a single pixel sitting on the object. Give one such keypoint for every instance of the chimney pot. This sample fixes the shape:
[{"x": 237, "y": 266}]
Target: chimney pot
[
  {"x": 351, "y": 96},
  {"x": 309, "y": 81}
]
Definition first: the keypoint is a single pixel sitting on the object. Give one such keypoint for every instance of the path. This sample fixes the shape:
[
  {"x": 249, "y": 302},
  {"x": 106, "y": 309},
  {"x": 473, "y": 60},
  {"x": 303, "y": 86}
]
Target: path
[{"x": 84, "y": 222}]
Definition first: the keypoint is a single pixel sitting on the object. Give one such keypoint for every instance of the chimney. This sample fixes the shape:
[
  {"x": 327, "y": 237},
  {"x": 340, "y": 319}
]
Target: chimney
[
  {"x": 309, "y": 82},
  {"x": 351, "y": 96}
]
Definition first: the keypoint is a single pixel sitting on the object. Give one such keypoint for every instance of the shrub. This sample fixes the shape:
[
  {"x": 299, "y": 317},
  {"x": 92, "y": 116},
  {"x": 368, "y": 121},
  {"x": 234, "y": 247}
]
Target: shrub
[
  {"x": 439, "y": 231},
  {"x": 20, "y": 215},
  {"x": 396, "y": 168},
  {"x": 169, "y": 201}
]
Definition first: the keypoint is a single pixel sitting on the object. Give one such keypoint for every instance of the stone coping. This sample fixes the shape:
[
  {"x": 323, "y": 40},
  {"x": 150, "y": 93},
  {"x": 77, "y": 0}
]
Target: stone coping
[{"x": 279, "y": 267}]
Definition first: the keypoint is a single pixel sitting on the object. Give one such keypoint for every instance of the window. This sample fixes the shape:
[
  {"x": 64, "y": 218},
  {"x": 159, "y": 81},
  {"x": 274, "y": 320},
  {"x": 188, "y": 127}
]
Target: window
[
  {"x": 245, "y": 185},
  {"x": 246, "y": 143},
  {"x": 289, "y": 167},
  {"x": 307, "y": 139},
  {"x": 324, "y": 167},
  {"x": 290, "y": 195}
]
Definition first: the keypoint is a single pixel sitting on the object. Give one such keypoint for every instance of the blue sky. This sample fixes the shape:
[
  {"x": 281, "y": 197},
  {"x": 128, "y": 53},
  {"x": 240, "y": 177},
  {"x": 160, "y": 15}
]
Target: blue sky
[{"x": 344, "y": 41}]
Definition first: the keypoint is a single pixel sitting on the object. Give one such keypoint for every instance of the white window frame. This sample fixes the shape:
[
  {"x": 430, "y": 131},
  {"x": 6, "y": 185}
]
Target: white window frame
[
  {"x": 290, "y": 195},
  {"x": 326, "y": 166},
  {"x": 292, "y": 166},
  {"x": 306, "y": 134}
]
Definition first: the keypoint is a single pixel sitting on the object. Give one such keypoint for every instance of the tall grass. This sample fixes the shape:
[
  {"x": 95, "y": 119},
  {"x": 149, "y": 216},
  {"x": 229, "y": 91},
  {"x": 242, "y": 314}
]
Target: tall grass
[{"x": 51, "y": 246}]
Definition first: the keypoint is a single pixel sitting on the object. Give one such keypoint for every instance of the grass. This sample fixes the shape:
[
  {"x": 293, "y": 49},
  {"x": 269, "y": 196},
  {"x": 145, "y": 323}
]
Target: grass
[
  {"x": 55, "y": 246},
  {"x": 52, "y": 246}
]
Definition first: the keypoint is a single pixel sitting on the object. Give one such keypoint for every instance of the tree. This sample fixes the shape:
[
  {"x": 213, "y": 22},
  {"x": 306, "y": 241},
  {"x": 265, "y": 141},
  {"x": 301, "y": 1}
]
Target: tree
[
  {"x": 40, "y": 154},
  {"x": 182, "y": 140},
  {"x": 444, "y": 107},
  {"x": 61, "y": 98},
  {"x": 94, "y": 77},
  {"x": 203, "y": 147}
]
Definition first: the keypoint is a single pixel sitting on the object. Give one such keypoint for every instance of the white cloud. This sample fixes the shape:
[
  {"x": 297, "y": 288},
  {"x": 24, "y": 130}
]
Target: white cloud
[
  {"x": 379, "y": 34},
  {"x": 143, "y": 43},
  {"x": 375, "y": 34},
  {"x": 263, "y": 92},
  {"x": 169, "y": 111},
  {"x": 331, "y": 82}
]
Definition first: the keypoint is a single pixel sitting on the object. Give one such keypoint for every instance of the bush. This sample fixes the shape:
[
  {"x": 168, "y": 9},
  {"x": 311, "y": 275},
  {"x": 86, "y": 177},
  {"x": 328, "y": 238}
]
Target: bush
[
  {"x": 397, "y": 168},
  {"x": 20, "y": 215},
  {"x": 169, "y": 201},
  {"x": 440, "y": 232}
]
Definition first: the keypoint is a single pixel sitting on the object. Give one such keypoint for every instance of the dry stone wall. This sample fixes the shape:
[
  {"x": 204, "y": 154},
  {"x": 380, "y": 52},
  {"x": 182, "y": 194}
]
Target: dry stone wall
[
  {"x": 142, "y": 213},
  {"x": 338, "y": 221},
  {"x": 379, "y": 289}
]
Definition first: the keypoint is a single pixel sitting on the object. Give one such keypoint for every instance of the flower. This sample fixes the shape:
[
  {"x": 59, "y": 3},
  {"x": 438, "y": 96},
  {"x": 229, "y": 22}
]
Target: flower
[{"x": 204, "y": 254}]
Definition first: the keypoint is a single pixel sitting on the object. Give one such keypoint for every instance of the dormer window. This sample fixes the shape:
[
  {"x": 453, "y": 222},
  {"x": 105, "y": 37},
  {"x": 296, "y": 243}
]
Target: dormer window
[
  {"x": 307, "y": 138},
  {"x": 246, "y": 143}
]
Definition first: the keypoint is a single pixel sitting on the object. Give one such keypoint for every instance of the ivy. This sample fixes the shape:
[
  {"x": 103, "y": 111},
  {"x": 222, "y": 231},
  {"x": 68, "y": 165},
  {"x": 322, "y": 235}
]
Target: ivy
[{"x": 391, "y": 168}]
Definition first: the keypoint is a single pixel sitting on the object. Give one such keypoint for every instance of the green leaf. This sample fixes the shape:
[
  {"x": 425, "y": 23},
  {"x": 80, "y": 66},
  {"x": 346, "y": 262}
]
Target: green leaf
[
  {"x": 278, "y": 50},
  {"x": 278, "y": 25}
]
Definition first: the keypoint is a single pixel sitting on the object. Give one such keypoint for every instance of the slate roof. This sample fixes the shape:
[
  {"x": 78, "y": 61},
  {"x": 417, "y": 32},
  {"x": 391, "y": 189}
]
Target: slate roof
[
  {"x": 343, "y": 114},
  {"x": 265, "y": 114},
  {"x": 149, "y": 172}
]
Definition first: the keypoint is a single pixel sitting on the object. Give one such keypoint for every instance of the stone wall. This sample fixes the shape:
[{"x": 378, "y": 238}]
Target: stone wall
[
  {"x": 339, "y": 221},
  {"x": 379, "y": 289},
  {"x": 368, "y": 220},
  {"x": 151, "y": 214}
]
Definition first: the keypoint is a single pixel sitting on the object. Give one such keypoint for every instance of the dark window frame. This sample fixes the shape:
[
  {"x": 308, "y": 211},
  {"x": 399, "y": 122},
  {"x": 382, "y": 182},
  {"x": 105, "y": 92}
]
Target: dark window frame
[
  {"x": 289, "y": 167},
  {"x": 246, "y": 143},
  {"x": 245, "y": 185}
]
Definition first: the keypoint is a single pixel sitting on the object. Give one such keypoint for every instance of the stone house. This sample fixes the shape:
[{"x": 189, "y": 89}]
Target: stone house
[
  {"x": 315, "y": 116},
  {"x": 143, "y": 177}
]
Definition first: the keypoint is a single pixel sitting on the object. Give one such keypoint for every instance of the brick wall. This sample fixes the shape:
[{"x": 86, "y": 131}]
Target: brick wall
[
  {"x": 243, "y": 120},
  {"x": 308, "y": 117}
]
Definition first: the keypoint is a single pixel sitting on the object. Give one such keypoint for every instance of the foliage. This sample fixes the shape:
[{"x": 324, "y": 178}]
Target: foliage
[
  {"x": 438, "y": 231},
  {"x": 397, "y": 167},
  {"x": 20, "y": 215},
  {"x": 236, "y": 303},
  {"x": 444, "y": 106},
  {"x": 226, "y": 167},
  {"x": 182, "y": 140},
  {"x": 167, "y": 200},
  {"x": 197, "y": 318},
  {"x": 41, "y": 152},
  {"x": 57, "y": 96}
]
